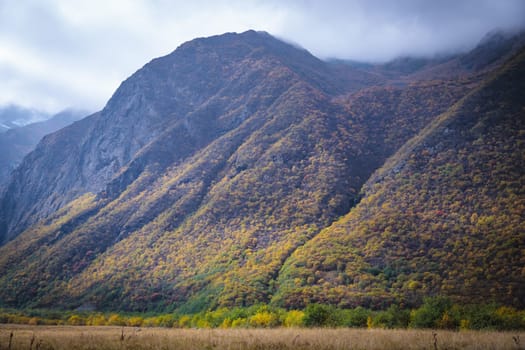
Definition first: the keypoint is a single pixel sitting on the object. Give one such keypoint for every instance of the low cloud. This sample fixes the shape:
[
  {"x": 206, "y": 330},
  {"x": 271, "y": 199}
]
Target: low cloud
[
  {"x": 60, "y": 53},
  {"x": 382, "y": 30}
]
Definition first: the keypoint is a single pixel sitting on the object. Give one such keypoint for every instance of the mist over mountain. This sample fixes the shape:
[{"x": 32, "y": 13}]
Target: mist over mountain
[
  {"x": 73, "y": 53},
  {"x": 12, "y": 116},
  {"x": 240, "y": 169},
  {"x": 18, "y": 141}
]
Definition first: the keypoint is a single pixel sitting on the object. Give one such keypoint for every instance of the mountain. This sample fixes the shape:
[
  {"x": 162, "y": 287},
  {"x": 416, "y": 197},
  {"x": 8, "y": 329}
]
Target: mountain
[
  {"x": 16, "y": 142},
  {"x": 215, "y": 172},
  {"x": 190, "y": 97},
  {"x": 444, "y": 215},
  {"x": 13, "y": 116}
]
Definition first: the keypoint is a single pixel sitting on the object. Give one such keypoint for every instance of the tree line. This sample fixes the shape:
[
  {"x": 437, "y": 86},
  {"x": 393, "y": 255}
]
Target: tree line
[{"x": 435, "y": 313}]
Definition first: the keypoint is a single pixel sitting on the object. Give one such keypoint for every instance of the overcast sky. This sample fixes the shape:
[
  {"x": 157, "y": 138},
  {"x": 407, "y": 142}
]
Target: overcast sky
[{"x": 74, "y": 53}]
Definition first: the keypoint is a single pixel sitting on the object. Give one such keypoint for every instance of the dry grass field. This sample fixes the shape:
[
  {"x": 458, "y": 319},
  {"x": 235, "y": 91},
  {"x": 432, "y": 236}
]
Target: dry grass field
[{"x": 71, "y": 337}]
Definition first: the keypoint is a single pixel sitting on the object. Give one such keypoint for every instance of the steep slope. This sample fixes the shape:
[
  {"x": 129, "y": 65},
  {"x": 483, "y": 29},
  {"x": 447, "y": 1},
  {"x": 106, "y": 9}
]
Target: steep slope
[
  {"x": 188, "y": 92},
  {"x": 204, "y": 172},
  {"x": 16, "y": 142},
  {"x": 272, "y": 194},
  {"x": 168, "y": 91},
  {"x": 444, "y": 216}
]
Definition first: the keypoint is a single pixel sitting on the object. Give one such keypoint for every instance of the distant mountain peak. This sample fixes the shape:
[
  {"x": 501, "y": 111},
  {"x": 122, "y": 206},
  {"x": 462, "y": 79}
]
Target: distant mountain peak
[{"x": 13, "y": 116}]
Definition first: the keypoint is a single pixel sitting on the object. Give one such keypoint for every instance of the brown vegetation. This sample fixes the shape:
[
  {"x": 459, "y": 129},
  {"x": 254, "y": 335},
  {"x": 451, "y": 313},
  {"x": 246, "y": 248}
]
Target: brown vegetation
[{"x": 68, "y": 337}]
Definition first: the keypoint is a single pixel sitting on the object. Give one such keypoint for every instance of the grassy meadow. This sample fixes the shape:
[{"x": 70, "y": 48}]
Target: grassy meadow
[{"x": 82, "y": 337}]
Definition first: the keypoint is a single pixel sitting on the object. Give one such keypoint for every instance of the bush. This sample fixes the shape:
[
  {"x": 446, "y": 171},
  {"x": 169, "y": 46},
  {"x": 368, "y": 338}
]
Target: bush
[
  {"x": 135, "y": 321},
  {"x": 393, "y": 317},
  {"x": 96, "y": 320},
  {"x": 451, "y": 319},
  {"x": 510, "y": 318},
  {"x": 151, "y": 322},
  {"x": 199, "y": 320},
  {"x": 215, "y": 318},
  {"x": 226, "y": 323},
  {"x": 430, "y": 313},
  {"x": 166, "y": 320},
  {"x": 318, "y": 315},
  {"x": 264, "y": 319},
  {"x": 294, "y": 318},
  {"x": 184, "y": 321},
  {"x": 116, "y": 320},
  {"x": 356, "y": 318},
  {"x": 483, "y": 317},
  {"x": 76, "y": 320},
  {"x": 239, "y": 322}
]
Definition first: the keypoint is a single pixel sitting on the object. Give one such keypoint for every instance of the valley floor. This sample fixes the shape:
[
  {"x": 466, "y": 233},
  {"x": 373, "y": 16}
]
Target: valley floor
[{"x": 82, "y": 337}]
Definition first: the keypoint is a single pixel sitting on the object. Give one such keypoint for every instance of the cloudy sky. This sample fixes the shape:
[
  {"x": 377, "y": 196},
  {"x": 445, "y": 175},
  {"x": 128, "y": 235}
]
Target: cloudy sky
[{"x": 74, "y": 53}]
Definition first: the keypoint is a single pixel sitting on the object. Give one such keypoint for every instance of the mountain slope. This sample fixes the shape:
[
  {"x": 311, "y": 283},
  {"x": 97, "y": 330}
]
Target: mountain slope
[
  {"x": 445, "y": 215},
  {"x": 15, "y": 143},
  {"x": 185, "y": 92},
  {"x": 207, "y": 171}
]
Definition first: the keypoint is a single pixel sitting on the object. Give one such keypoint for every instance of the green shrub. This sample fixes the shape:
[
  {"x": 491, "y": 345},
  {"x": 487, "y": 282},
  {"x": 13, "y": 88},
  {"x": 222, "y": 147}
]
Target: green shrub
[
  {"x": 483, "y": 317},
  {"x": 319, "y": 315},
  {"x": 240, "y": 322},
  {"x": 393, "y": 317},
  {"x": 451, "y": 319},
  {"x": 430, "y": 313},
  {"x": 356, "y": 318}
]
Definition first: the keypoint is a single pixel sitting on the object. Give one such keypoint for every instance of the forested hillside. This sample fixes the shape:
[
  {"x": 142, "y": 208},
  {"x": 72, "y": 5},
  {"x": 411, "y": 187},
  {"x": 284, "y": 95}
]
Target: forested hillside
[
  {"x": 240, "y": 169},
  {"x": 444, "y": 216}
]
